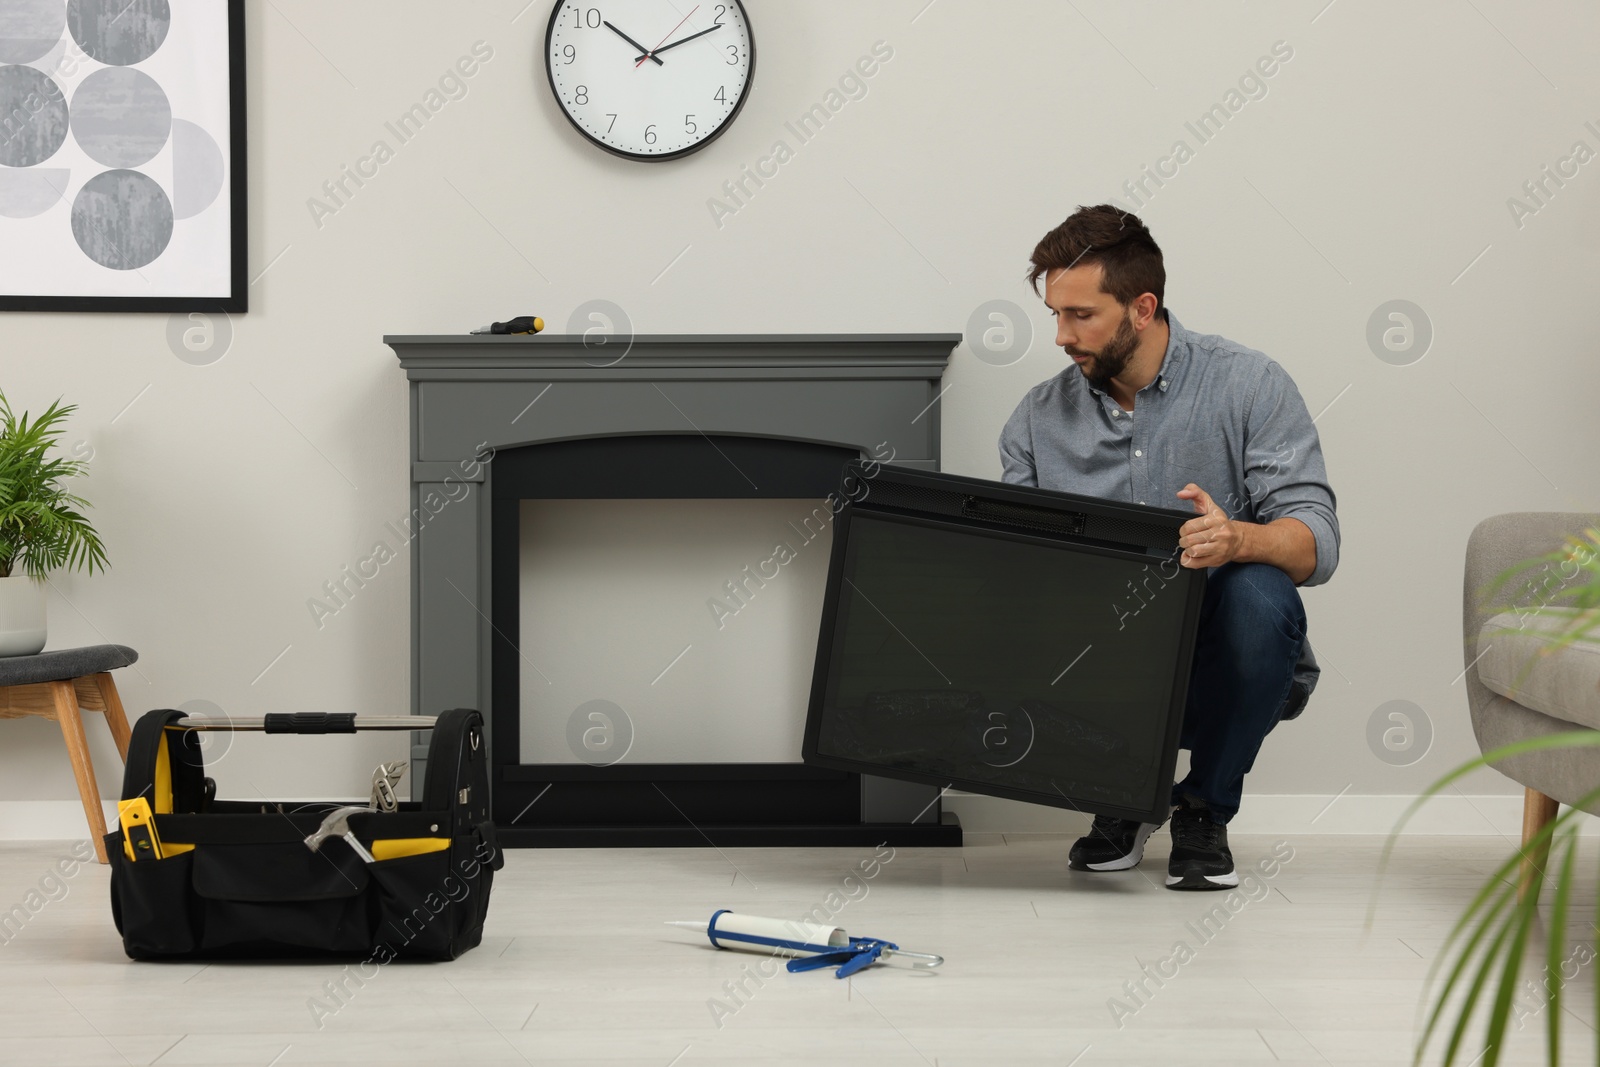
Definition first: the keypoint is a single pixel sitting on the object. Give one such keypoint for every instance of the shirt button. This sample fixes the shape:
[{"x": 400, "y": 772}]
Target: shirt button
[
  {"x": 1137, "y": 452},
  {"x": 1163, "y": 387}
]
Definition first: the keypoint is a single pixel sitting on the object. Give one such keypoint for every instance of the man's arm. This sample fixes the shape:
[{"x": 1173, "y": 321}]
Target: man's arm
[
  {"x": 1214, "y": 537},
  {"x": 1016, "y": 448},
  {"x": 1286, "y": 478},
  {"x": 1287, "y": 544},
  {"x": 1287, "y": 482}
]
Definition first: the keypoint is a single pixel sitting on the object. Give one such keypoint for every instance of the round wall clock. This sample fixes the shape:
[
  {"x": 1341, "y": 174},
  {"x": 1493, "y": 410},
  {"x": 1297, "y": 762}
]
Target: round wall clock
[{"x": 648, "y": 79}]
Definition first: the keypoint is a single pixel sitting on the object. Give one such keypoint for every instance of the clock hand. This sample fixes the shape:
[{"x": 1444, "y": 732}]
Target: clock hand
[
  {"x": 649, "y": 53},
  {"x": 675, "y": 44},
  {"x": 635, "y": 44}
]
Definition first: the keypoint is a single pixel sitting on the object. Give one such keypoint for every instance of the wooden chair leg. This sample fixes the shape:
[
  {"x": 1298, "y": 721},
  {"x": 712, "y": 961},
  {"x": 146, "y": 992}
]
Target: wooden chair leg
[
  {"x": 1537, "y": 810},
  {"x": 116, "y": 718},
  {"x": 67, "y": 715}
]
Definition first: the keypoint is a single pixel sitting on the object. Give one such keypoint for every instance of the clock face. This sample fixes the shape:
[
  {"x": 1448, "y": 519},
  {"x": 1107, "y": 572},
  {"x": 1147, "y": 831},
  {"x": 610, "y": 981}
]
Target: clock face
[{"x": 650, "y": 79}]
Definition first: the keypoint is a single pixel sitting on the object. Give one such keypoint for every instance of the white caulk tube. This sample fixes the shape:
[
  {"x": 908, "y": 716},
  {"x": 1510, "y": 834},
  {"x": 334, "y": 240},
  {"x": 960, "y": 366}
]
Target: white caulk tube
[
  {"x": 776, "y": 937},
  {"x": 787, "y": 937}
]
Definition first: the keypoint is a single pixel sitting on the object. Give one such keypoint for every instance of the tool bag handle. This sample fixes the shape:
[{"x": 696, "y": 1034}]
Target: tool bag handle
[
  {"x": 167, "y": 767},
  {"x": 164, "y": 766},
  {"x": 457, "y": 779},
  {"x": 308, "y": 722}
]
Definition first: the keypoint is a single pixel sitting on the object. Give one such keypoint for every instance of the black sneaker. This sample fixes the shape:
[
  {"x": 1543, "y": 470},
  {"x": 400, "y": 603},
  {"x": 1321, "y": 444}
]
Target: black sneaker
[
  {"x": 1200, "y": 858},
  {"x": 1111, "y": 845}
]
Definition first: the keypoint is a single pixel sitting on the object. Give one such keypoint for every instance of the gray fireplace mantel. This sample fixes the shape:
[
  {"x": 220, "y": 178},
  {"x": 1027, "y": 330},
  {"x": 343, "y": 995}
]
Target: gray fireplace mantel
[
  {"x": 875, "y": 393},
  {"x": 568, "y": 357}
]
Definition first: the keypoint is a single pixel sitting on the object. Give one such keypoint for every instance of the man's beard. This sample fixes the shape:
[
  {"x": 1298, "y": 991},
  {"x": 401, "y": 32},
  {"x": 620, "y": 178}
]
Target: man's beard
[{"x": 1113, "y": 358}]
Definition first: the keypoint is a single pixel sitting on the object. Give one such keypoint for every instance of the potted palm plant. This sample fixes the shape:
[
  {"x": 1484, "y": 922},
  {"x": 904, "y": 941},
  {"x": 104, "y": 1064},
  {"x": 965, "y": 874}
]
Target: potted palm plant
[
  {"x": 1480, "y": 971},
  {"x": 42, "y": 528}
]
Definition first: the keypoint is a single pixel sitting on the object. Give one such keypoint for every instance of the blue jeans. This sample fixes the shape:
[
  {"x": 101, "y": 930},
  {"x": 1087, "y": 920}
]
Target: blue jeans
[{"x": 1252, "y": 626}]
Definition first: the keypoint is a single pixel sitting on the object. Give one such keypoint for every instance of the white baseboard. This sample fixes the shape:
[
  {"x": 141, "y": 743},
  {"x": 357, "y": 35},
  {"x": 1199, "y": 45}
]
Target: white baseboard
[
  {"x": 48, "y": 820},
  {"x": 1281, "y": 814}
]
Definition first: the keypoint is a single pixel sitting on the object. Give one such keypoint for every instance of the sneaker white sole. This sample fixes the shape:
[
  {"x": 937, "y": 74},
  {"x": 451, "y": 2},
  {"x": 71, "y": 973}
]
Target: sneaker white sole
[
  {"x": 1131, "y": 860},
  {"x": 1191, "y": 881}
]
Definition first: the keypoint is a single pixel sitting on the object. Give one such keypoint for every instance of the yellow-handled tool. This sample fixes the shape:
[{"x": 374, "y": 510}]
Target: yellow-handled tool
[{"x": 139, "y": 838}]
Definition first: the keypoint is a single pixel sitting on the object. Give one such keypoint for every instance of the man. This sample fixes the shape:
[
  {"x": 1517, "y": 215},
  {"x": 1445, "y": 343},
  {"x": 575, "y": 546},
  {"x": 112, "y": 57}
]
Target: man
[{"x": 1156, "y": 414}]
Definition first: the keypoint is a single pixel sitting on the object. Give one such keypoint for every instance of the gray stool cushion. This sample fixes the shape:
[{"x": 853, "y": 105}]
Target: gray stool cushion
[{"x": 64, "y": 663}]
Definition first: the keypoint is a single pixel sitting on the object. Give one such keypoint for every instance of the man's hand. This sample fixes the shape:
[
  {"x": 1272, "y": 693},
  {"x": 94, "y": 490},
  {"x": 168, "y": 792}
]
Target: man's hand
[{"x": 1210, "y": 539}]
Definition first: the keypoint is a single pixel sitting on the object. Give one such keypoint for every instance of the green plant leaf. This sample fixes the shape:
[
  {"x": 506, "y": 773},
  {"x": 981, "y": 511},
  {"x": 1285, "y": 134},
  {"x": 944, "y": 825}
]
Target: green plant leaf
[
  {"x": 1495, "y": 917},
  {"x": 1558, "y": 930},
  {"x": 1565, "y": 584},
  {"x": 42, "y": 525},
  {"x": 1565, "y": 739},
  {"x": 1480, "y": 978},
  {"x": 1479, "y": 933},
  {"x": 1526, "y": 911}
]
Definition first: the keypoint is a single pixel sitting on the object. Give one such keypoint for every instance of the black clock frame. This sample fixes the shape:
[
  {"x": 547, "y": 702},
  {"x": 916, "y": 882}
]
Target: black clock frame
[{"x": 750, "y": 84}]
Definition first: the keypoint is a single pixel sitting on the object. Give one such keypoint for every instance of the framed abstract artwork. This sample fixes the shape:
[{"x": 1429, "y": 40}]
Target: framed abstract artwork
[{"x": 122, "y": 155}]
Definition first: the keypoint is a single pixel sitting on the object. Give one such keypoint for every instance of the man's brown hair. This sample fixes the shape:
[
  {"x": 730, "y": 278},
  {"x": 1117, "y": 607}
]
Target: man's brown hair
[{"x": 1113, "y": 238}]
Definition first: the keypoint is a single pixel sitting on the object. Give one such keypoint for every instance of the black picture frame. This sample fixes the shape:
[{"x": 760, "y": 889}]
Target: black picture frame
[
  {"x": 550, "y": 79},
  {"x": 237, "y": 300}
]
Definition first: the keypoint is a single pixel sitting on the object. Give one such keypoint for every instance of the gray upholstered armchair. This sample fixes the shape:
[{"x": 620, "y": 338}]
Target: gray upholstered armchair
[{"x": 1514, "y": 695}]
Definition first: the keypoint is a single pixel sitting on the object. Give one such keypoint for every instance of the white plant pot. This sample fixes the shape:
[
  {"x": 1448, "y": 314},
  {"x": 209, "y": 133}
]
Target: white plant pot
[{"x": 22, "y": 623}]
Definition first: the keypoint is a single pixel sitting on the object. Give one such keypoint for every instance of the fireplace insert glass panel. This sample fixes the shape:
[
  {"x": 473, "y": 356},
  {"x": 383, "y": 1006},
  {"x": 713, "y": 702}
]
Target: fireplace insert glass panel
[{"x": 1005, "y": 641}]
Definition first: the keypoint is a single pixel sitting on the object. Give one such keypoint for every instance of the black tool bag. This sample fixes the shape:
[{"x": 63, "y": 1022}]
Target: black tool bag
[{"x": 236, "y": 878}]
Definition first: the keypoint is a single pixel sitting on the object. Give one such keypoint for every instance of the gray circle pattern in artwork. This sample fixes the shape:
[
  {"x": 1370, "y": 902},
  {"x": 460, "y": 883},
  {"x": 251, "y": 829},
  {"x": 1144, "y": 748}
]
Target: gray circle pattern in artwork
[
  {"x": 122, "y": 219},
  {"x": 33, "y": 111},
  {"x": 197, "y": 169},
  {"x": 29, "y": 29},
  {"x": 119, "y": 32},
  {"x": 31, "y": 191},
  {"x": 121, "y": 117}
]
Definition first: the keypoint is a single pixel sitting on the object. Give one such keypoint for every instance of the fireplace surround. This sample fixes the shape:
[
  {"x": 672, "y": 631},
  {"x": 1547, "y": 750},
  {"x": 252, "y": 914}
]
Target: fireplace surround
[{"x": 496, "y": 420}]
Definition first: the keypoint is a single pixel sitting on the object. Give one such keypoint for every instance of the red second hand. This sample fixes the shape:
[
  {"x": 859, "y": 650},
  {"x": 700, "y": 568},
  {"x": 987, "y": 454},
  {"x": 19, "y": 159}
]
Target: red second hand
[{"x": 670, "y": 32}]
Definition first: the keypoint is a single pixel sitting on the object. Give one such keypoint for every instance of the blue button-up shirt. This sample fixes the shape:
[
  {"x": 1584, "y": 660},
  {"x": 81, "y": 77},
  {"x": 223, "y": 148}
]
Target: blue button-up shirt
[{"x": 1217, "y": 414}]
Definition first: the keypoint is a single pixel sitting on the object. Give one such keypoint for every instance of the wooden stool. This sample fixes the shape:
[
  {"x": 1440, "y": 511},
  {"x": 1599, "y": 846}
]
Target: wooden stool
[{"x": 54, "y": 685}]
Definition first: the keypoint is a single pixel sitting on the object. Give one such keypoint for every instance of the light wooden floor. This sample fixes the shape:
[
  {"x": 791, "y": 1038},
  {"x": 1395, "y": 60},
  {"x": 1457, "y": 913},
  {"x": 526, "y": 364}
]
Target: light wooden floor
[{"x": 576, "y": 968}]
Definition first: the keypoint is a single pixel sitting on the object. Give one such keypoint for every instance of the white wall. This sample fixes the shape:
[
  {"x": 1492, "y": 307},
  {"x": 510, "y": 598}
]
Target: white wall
[{"x": 1378, "y": 166}]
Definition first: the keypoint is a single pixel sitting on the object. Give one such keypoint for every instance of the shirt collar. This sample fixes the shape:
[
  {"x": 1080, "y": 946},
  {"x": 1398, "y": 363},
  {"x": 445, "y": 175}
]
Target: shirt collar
[{"x": 1177, "y": 348}]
